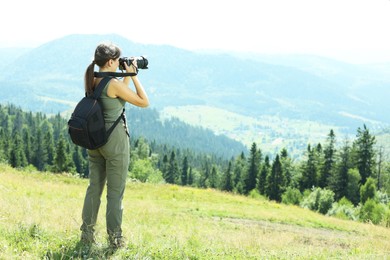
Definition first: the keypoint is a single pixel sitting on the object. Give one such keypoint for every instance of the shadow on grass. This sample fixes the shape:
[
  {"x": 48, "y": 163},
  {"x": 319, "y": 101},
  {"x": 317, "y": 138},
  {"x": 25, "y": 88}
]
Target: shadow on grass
[{"x": 80, "y": 250}]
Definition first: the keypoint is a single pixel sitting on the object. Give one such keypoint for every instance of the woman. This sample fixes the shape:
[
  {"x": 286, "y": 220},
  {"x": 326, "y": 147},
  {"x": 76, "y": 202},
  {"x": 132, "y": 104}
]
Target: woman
[{"x": 109, "y": 163}]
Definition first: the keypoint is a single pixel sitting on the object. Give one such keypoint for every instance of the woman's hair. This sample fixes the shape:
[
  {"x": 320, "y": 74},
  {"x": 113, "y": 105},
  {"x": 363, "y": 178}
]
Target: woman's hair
[{"x": 103, "y": 53}]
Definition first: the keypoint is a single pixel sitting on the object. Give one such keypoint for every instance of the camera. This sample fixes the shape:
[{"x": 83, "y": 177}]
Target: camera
[{"x": 142, "y": 62}]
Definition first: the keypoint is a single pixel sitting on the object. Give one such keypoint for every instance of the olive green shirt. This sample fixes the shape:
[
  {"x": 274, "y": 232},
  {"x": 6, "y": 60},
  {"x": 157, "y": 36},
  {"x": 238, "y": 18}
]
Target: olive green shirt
[{"x": 112, "y": 107}]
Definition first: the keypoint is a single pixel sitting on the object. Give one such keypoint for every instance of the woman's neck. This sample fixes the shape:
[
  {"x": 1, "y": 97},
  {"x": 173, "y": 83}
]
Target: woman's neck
[{"x": 107, "y": 70}]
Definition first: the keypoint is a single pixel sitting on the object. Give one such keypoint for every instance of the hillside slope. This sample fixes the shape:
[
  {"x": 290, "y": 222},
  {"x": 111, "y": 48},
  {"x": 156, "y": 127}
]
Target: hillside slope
[{"x": 40, "y": 217}]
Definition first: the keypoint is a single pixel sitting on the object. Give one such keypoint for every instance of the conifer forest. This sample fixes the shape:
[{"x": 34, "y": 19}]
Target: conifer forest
[{"x": 346, "y": 178}]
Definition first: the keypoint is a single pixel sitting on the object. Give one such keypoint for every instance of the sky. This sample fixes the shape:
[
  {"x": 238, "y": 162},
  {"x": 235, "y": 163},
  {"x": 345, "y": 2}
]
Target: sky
[{"x": 355, "y": 31}]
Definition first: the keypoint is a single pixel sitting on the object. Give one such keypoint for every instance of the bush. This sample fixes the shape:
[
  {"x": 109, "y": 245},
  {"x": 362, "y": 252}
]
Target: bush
[
  {"x": 382, "y": 197},
  {"x": 30, "y": 168},
  {"x": 386, "y": 218},
  {"x": 143, "y": 171},
  {"x": 326, "y": 201},
  {"x": 343, "y": 209},
  {"x": 310, "y": 200},
  {"x": 155, "y": 177},
  {"x": 372, "y": 211},
  {"x": 292, "y": 196},
  {"x": 368, "y": 190},
  {"x": 353, "y": 186},
  {"x": 255, "y": 194},
  {"x": 319, "y": 200}
]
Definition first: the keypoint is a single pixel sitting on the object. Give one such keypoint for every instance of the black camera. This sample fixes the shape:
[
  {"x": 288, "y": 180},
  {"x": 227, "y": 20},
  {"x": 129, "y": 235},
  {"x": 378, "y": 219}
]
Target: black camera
[{"x": 142, "y": 62}]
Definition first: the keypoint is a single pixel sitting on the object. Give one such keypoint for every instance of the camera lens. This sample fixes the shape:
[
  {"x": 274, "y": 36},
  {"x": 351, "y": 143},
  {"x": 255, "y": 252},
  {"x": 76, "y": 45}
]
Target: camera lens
[{"x": 142, "y": 62}]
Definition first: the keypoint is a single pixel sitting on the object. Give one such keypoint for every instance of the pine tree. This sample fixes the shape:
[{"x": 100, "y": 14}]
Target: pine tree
[
  {"x": 213, "y": 178},
  {"x": 380, "y": 163},
  {"x": 165, "y": 168},
  {"x": 253, "y": 169},
  {"x": 184, "y": 172},
  {"x": 227, "y": 182},
  {"x": 204, "y": 178},
  {"x": 27, "y": 140},
  {"x": 6, "y": 123},
  {"x": 309, "y": 173},
  {"x": 364, "y": 153},
  {"x": 329, "y": 161},
  {"x": 18, "y": 121},
  {"x": 70, "y": 165},
  {"x": 60, "y": 160},
  {"x": 40, "y": 153},
  {"x": 6, "y": 144},
  {"x": 353, "y": 187},
  {"x": 275, "y": 181},
  {"x": 173, "y": 171},
  {"x": 79, "y": 161},
  {"x": 48, "y": 144},
  {"x": 190, "y": 177},
  {"x": 2, "y": 155},
  {"x": 262, "y": 182},
  {"x": 56, "y": 126},
  {"x": 318, "y": 161},
  {"x": 339, "y": 180},
  {"x": 17, "y": 155},
  {"x": 238, "y": 173},
  {"x": 287, "y": 167}
]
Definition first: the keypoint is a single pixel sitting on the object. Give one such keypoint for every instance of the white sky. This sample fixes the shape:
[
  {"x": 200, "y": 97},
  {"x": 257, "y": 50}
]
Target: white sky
[{"x": 352, "y": 30}]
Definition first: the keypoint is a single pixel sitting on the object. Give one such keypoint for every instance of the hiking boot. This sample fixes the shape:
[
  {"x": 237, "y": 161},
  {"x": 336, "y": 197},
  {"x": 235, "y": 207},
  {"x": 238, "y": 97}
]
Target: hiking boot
[
  {"x": 117, "y": 242},
  {"x": 87, "y": 238}
]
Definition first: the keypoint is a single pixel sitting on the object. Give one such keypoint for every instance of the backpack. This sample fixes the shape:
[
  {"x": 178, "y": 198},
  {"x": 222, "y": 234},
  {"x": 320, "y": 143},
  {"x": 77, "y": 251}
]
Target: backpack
[{"x": 86, "y": 126}]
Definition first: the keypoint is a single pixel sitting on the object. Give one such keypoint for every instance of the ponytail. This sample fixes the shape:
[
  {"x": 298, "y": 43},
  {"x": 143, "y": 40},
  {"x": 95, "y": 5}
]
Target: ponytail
[{"x": 89, "y": 78}]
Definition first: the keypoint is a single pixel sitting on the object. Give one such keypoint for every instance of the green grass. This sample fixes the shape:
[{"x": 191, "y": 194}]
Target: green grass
[{"x": 40, "y": 218}]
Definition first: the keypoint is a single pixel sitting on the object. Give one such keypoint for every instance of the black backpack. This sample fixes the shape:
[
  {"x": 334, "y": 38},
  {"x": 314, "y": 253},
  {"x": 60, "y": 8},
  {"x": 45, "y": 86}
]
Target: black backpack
[{"x": 86, "y": 126}]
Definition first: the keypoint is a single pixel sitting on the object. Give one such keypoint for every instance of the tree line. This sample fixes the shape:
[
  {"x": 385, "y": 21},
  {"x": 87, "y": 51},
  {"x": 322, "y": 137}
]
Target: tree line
[{"x": 351, "y": 180}]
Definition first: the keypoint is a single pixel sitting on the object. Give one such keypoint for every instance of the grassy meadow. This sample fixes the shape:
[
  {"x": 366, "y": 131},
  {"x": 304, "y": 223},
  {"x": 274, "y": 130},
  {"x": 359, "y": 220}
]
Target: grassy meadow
[{"x": 40, "y": 216}]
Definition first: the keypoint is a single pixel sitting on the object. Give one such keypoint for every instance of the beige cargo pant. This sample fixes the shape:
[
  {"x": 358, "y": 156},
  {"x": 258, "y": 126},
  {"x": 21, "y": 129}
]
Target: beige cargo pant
[{"x": 108, "y": 164}]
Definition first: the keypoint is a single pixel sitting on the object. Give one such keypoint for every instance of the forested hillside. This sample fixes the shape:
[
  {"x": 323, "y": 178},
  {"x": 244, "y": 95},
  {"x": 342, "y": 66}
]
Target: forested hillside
[
  {"x": 351, "y": 182},
  {"x": 43, "y": 141},
  {"x": 173, "y": 132}
]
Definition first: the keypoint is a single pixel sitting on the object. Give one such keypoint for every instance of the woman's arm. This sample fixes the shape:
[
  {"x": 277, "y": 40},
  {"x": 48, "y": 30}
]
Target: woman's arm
[{"x": 121, "y": 89}]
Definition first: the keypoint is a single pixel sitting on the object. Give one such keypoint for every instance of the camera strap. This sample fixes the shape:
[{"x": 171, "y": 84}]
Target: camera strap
[{"x": 113, "y": 74}]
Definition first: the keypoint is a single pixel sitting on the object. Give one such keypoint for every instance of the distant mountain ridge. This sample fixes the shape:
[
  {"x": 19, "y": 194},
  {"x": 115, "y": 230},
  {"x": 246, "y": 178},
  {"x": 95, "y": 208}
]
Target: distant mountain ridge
[{"x": 49, "y": 78}]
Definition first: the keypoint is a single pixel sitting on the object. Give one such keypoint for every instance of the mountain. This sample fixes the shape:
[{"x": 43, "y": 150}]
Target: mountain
[
  {"x": 8, "y": 55},
  {"x": 49, "y": 78}
]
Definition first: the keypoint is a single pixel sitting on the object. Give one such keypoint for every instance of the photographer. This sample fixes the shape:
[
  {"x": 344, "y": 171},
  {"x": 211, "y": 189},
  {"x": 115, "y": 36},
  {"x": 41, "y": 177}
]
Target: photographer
[{"x": 109, "y": 163}]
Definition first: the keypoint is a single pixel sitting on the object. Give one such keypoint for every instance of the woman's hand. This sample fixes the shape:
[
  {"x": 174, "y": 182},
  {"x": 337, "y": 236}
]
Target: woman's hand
[{"x": 133, "y": 68}]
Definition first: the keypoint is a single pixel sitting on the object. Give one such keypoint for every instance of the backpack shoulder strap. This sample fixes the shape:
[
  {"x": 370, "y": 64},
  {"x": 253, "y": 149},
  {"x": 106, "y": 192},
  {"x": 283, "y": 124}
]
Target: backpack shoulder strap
[
  {"x": 99, "y": 88},
  {"x": 123, "y": 117}
]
